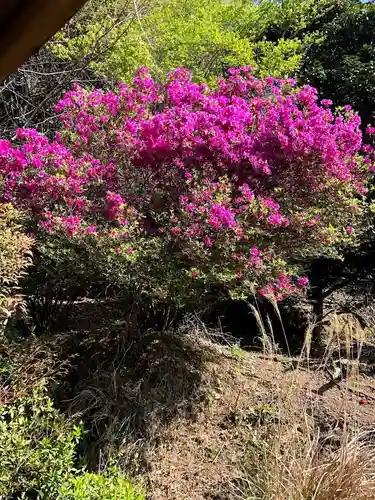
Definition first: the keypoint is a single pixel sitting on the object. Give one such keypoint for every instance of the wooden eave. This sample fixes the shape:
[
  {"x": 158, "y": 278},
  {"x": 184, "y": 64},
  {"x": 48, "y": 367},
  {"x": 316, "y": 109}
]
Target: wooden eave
[{"x": 25, "y": 25}]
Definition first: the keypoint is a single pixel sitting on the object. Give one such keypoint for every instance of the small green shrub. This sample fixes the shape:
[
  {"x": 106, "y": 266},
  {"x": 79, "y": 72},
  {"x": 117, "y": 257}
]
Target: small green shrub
[
  {"x": 38, "y": 452},
  {"x": 37, "y": 447},
  {"x": 108, "y": 486}
]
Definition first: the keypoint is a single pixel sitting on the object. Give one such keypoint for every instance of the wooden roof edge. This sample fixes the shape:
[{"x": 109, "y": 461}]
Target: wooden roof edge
[{"x": 27, "y": 25}]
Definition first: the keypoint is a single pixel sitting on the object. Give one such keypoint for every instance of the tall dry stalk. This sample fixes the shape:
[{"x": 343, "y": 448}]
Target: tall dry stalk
[{"x": 294, "y": 461}]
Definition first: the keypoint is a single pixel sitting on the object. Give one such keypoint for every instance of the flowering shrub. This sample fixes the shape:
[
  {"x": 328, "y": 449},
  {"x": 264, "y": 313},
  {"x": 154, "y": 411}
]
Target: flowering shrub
[{"x": 174, "y": 188}]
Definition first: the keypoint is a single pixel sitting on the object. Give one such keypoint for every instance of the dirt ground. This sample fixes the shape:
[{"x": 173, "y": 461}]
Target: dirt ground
[{"x": 204, "y": 459}]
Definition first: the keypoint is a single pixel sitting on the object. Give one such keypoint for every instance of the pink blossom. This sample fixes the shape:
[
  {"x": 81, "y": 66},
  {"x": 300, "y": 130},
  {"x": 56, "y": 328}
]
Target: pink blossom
[
  {"x": 326, "y": 102},
  {"x": 271, "y": 204},
  {"x": 302, "y": 281},
  {"x": 221, "y": 217},
  {"x": 248, "y": 194},
  {"x": 275, "y": 219}
]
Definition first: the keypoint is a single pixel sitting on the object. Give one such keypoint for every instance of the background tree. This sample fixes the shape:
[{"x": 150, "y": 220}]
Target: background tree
[
  {"x": 205, "y": 36},
  {"x": 342, "y": 65}
]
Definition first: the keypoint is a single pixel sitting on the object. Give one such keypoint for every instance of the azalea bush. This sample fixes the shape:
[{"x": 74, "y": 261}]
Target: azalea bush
[{"x": 173, "y": 189}]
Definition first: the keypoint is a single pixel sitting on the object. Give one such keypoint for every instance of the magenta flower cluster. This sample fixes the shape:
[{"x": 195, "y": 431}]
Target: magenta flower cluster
[{"x": 236, "y": 180}]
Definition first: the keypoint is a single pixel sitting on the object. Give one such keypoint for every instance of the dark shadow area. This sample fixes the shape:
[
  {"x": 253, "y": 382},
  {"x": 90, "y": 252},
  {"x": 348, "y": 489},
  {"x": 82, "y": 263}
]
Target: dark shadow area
[
  {"x": 29, "y": 495},
  {"x": 127, "y": 384},
  {"x": 286, "y": 324}
]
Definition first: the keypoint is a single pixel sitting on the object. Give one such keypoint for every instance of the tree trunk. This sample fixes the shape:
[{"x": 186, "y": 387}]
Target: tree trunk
[{"x": 318, "y": 311}]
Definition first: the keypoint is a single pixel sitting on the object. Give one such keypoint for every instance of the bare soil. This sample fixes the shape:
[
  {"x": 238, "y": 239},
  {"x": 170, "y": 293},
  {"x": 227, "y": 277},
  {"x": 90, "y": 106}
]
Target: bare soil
[{"x": 204, "y": 459}]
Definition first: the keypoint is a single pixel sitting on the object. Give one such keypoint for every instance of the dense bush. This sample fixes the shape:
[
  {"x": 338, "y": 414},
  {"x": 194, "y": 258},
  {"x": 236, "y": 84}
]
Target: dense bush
[
  {"x": 14, "y": 258},
  {"x": 205, "y": 36},
  {"x": 172, "y": 189}
]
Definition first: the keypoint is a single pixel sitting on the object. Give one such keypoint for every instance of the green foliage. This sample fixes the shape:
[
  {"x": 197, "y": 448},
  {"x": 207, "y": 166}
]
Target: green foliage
[
  {"x": 109, "y": 486},
  {"x": 342, "y": 66},
  {"x": 66, "y": 269},
  {"x": 205, "y": 36},
  {"x": 37, "y": 447},
  {"x": 13, "y": 246},
  {"x": 14, "y": 258},
  {"x": 38, "y": 452},
  {"x": 237, "y": 353}
]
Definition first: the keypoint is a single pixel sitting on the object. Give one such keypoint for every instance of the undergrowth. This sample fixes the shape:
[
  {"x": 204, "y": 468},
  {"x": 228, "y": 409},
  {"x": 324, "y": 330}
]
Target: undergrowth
[
  {"x": 188, "y": 413},
  {"x": 303, "y": 468},
  {"x": 293, "y": 457},
  {"x": 39, "y": 445}
]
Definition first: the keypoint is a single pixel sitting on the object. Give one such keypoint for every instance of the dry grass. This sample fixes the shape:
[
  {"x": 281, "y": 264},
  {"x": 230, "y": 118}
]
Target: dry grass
[
  {"x": 200, "y": 420},
  {"x": 129, "y": 393},
  {"x": 305, "y": 469},
  {"x": 26, "y": 364},
  {"x": 295, "y": 461}
]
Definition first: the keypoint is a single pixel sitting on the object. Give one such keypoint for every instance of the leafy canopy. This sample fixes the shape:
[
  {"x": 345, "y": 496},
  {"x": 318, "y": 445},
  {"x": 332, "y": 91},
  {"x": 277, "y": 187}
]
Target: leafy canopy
[
  {"x": 205, "y": 36},
  {"x": 342, "y": 65}
]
